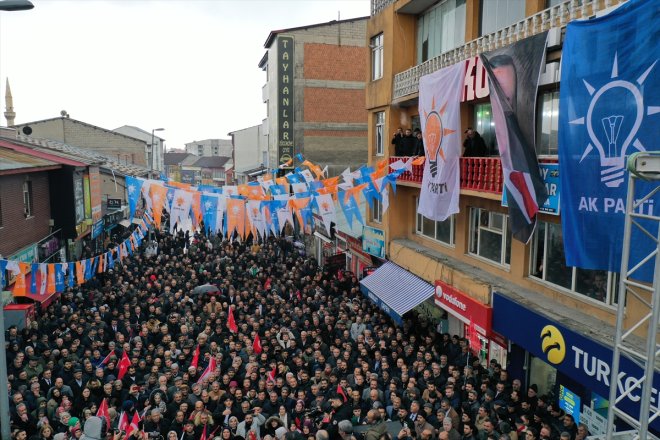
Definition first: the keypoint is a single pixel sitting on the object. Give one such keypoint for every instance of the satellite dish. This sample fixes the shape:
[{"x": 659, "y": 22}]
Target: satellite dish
[
  {"x": 27, "y": 130},
  {"x": 63, "y": 113}
]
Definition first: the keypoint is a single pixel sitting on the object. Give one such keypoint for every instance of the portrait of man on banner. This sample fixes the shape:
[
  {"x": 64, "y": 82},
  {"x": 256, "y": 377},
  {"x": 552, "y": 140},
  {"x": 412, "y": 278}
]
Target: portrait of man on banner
[{"x": 513, "y": 74}]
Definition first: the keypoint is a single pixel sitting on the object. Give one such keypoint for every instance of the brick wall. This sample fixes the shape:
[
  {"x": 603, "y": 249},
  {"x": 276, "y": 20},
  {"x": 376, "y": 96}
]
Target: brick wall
[
  {"x": 330, "y": 62},
  {"x": 17, "y": 231},
  {"x": 334, "y": 105}
]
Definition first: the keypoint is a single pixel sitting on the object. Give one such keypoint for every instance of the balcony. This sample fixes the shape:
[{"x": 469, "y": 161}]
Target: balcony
[
  {"x": 483, "y": 174},
  {"x": 378, "y": 5},
  {"x": 407, "y": 82}
]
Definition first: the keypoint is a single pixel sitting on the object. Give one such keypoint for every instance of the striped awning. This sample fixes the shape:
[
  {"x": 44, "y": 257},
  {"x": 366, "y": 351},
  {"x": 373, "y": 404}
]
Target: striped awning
[{"x": 395, "y": 290}]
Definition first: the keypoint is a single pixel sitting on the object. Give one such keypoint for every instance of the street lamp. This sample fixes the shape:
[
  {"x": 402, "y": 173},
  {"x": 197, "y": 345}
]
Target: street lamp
[
  {"x": 15, "y": 5},
  {"x": 153, "y": 152}
]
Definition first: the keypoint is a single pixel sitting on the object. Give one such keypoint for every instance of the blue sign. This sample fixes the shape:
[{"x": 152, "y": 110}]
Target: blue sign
[
  {"x": 569, "y": 402},
  {"x": 373, "y": 241},
  {"x": 608, "y": 109},
  {"x": 97, "y": 229},
  {"x": 582, "y": 359},
  {"x": 550, "y": 176}
]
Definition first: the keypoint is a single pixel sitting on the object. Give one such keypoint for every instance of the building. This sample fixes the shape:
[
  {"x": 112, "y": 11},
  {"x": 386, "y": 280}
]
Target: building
[
  {"x": 173, "y": 162},
  {"x": 214, "y": 170},
  {"x": 124, "y": 148},
  {"x": 210, "y": 147},
  {"x": 314, "y": 94},
  {"x": 473, "y": 271},
  {"x": 250, "y": 149},
  {"x": 155, "y": 144}
]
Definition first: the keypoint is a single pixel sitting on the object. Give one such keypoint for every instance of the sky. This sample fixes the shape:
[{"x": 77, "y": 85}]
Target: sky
[{"x": 188, "y": 66}]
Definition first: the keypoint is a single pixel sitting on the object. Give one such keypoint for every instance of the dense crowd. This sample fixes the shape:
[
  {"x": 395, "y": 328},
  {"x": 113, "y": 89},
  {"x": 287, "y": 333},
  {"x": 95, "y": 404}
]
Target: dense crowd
[{"x": 331, "y": 365}]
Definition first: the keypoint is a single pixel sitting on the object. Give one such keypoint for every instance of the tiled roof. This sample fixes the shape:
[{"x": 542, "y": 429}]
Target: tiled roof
[
  {"x": 14, "y": 160},
  {"x": 175, "y": 158},
  {"x": 211, "y": 161}
]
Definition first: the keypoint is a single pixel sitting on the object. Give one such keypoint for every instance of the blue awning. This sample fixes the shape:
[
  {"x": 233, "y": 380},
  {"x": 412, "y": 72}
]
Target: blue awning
[{"x": 395, "y": 290}]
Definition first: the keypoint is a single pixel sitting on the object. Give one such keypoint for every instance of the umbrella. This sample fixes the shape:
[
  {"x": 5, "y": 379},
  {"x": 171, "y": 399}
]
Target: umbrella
[{"x": 205, "y": 288}]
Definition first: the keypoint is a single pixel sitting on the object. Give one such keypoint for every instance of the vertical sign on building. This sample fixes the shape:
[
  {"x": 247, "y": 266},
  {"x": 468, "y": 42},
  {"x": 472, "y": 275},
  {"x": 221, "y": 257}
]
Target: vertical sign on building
[
  {"x": 95, "y": 195},
  {"x": 285, "y": 69}
]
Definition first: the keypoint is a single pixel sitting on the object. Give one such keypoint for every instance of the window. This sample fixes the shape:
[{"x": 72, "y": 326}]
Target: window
[
  {"x": 380, "y": 132},
  {"x": 485, "y": 126},
  {"x": 200, "y": 150},
  {"x": 443, "y": 232},
  {"x": 28, "y": 207},
  {"x": 1, "y": 224},
  {"x": 490, "y": 236},
  {"x": 377, "y": 211},
  {"x": 548, "y": 263},
  {"x": 498, "y": 14},
  {"x": 440, "y": 29},
  {"x": 376, "y": 57},
  {"x": 547, "y": 124}
]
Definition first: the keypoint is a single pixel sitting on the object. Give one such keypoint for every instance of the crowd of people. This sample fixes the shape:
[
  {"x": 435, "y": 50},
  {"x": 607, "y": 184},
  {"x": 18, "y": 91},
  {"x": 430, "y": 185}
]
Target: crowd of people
[
  {"x": 310, "y": 358},
  {"x": 411, "y": 143}
]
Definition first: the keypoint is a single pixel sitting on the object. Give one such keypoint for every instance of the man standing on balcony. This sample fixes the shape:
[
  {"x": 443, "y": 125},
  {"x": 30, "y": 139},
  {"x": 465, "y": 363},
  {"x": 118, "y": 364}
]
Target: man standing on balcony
[
  {"x": 396, "y": 141},
  {"x": 474, "y": 145}
]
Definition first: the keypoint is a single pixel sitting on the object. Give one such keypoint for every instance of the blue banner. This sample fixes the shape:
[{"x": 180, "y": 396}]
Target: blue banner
[
  {"x": 609, "y": 109},
  {"x": 33, "y": 278},
  {"x": 134, "y": 190},
  {"x": 59, "y": 278},
  {"x": 3, "y": 267},
  {"x": 210, "y": 211}
]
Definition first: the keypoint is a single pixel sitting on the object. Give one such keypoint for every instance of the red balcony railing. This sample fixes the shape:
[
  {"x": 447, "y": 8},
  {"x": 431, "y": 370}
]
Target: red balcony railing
[{"x": 477, "y": 173}]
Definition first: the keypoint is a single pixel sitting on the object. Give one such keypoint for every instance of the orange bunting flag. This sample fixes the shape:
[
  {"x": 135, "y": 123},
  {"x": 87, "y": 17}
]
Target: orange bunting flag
[
  {"x": 158, "y": 199},
  {"x": 419, "y": 161},
  {"x": 236, "y": 216},
  {"x": 332, "y": 181},
  {"x": 101, "y": 267},
  {"x": 314, "y": 168},
  {"x": 382, "y": 164},
  {"x": 197, "y": 208},
  {"x": 51, "y": 279},
  {"x": 298, "y": 205},
  {"x": 282, "y": 181},
  {"x": 256, "y": 192},
  {"x": 179, "y": 185},
  {"x": 243, "y": 189},
  {"x": 378, "y": 174},
  {"x": 19, "y": 282},
  {"x": 80, "y": 272}
]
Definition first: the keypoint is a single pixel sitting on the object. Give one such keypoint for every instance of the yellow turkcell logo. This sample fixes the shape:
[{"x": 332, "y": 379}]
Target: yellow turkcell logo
[{"x": 552, "y": 344}]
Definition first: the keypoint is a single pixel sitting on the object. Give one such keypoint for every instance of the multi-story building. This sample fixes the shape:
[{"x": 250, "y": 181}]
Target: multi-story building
[
  {"x": 314, "y": 94},
  {"x": 210, "y": 147},
  {"x": 474, "y": 272},
  {"x": 174, "y": 161},
  {"x": 250, "y": 153},
  {"x": 155, "y": 144}
]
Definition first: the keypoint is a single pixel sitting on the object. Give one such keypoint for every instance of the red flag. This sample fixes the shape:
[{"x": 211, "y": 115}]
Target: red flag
[
  {"x": 256, "y": 344},
  {"x": 203, "y": 437},
  {"x": 103, "y": 411},
  {"x": 267, "y": 284},
  {"x": 231, "y": 323},
  {"x": 475, "y": 342},
  {"x": 123, "y": 422},
  {"x": 341, "y": 392},
  {"x": 124, "y": 363},
  {"x": 209, "y": 369},
  {"x": 107, "y": 358},
  {"x": 195, "y": 359},
  {"x": 134, "y": 424},
  {"x": 271, "y": 374}
]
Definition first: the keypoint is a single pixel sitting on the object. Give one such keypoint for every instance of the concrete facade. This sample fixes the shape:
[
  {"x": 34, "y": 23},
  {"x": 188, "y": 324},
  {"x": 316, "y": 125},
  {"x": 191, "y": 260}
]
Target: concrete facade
[
  {"x": 330, "y": 69},
  {"x": 154, "y": 152},
  {"x": 210, "y": 147},
  {"x": 250, "y": 149}
]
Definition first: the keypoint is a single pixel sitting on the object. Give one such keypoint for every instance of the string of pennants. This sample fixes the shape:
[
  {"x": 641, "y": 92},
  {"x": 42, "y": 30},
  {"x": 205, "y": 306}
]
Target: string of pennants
[{"x": 262, "y": 208}]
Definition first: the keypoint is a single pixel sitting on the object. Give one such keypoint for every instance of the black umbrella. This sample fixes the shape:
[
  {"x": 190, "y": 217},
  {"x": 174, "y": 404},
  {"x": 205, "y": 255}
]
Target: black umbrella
[{"x": 205, "y": 288}]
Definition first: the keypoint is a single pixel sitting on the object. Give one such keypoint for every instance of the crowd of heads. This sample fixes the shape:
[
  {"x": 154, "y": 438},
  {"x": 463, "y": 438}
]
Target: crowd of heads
[{"x": 331, "y": 365}]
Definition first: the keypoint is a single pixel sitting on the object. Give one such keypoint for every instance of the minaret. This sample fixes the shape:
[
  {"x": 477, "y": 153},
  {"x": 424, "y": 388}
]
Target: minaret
[{"x": 10, "y": 114}]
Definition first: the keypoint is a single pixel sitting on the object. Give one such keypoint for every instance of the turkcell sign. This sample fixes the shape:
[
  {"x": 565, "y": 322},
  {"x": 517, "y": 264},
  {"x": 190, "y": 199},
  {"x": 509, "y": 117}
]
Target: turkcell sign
[
  {"x": 285, "y": 74},
  {"x": 584, "y": 360}
]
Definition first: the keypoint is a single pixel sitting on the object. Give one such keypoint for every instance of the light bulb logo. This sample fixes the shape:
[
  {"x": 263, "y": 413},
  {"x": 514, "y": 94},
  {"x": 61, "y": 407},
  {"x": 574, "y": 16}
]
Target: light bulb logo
[
  {"x": 612, "y": 132},
  {"x": 434, "y": 134}
]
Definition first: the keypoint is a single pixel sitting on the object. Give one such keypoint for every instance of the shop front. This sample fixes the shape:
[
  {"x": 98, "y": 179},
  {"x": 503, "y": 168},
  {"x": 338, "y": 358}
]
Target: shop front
[
  {"x": 564, "y": 362},
  {"x": 468, "y": 317}
]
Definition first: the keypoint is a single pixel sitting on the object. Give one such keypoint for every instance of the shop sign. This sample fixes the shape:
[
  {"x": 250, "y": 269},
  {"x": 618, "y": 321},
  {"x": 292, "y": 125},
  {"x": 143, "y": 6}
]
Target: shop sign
[
  {"x": 114, "y": 203},
  {"x": 333, "y": 263},
  {"x": 584, "y": 360},
  {"x": 97, "y": 229},
  {"x": 569, "y": 402},
  {"x": 463, "y": 307},
  {"x": 285, "y": 77},
  {"x": 475, "y": 85},
  {"x": 355, "y": 247},
  {"x": 88, "y": 197},
  {"x": 373, "y": 241},
  {"x": 550, "y": 175},
  {"x": 95, "y": 193},
  {"x": 79, "y": 197}
]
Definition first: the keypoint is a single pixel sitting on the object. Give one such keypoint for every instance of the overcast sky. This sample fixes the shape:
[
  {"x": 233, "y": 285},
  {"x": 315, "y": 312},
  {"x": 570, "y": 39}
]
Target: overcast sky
[{"x": 189, "y": 66}]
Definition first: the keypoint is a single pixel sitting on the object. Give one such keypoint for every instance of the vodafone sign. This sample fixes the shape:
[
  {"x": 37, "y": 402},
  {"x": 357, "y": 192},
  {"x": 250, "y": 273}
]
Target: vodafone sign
[{"x": 464, "y": 307}]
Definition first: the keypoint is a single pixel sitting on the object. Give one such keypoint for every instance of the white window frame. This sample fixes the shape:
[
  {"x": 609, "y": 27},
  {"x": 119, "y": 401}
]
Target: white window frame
[
  {"x": 542, "y": 274},
  {"x": 502, "y": 231},
  {"x": 27, "y": 199},
  {"x": 380, "y": 133},
  {"x": 377, "y": 211},
  {"x": 419, "y": 222},
  {"x": 376, "y": 57}
]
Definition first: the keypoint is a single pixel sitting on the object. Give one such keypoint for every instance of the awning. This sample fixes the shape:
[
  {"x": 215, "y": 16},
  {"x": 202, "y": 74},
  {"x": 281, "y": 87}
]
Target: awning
[
  {"x": 125, "y": 223},
  {"x": 395, "y": 290}
]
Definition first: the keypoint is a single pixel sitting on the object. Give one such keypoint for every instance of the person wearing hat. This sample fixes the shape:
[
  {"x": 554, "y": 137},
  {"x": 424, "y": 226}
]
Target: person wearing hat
[{"x": 33, "y": 368}]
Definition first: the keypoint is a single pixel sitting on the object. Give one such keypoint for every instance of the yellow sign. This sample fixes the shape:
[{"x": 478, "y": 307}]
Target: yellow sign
[{"x": 552, "y": 344}]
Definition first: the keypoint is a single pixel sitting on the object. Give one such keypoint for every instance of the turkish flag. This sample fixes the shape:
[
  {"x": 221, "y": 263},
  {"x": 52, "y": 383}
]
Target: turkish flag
[
  {"x": 123, "y": 422},
  {"x": 231, "y": 323},
  {"x": 134, "y": 424},
  {"x": 256, "y": 344},
  {"x": 107, "y": 358},
  {"x": 209, "y": 370},
  {"x": 195, "y": 359},
  {"x": 103, "y": 411},
  {"x": 341, "y": 392},
  {"x": 124, "y": 363}
]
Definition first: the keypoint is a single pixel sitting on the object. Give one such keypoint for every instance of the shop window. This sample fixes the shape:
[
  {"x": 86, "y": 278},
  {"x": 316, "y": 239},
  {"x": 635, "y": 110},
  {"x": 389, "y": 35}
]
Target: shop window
[
  {"x": 440, "y": 29},
  {"x": 380, "y": 133},
  {"x": 490, "y": 236},
  {"x": 547, "y": 124},
  {"x": 376, "y": 211},
  {"x": 28, "y": 205},
  {"x": 376, "y": 57},
  {"x": 485, "y": 126},
  {"x": 444, "y": 232},
  {"x": 498, "y": 14},
  {"x": 548, "y": 263}
]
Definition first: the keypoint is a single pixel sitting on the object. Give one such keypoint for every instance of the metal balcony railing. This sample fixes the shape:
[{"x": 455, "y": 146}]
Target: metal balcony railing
[
  {"x": 407, "y": 82},
  {"x": 378, "y": 5}
]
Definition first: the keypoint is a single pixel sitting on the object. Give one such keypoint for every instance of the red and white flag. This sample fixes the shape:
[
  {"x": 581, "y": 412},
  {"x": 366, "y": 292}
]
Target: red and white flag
[
  {"x": 134, "y": 424},
  {"x": 107, "y": 358},
  {"x": 271, "y": 374},
  {"x": 209, "y": 370},
  {"x": 195, "y": 359},
  {"x": 123, "y": 422},
  {"x": 231, "y": 323},
  {"x": 256, "y": 344},
  {"x": 203, "y": 437},
  {"x": 124, "y": 363},
  {"x": 341, "y": 392},
  {"x": 103, "y": 411}
]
